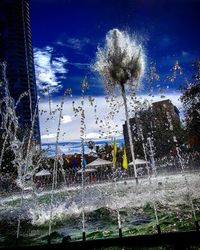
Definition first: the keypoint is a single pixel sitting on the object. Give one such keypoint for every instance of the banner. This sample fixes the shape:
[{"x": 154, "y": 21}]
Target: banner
[
  {"x": 125, "y": 162},
  {"x": 83, "y": 158},
  {"x": 115, "y": 152}
]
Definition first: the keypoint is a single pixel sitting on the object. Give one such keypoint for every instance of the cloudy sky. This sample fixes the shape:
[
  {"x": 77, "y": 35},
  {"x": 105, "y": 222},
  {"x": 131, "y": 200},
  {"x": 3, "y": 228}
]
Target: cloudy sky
[{"x": 66, "y": 35}]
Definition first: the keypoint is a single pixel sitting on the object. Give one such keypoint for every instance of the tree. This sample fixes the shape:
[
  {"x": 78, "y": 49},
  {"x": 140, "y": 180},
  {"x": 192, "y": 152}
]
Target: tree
[
  {"x": 191, "y": 103},
  {"x": 91, "y": 145}
]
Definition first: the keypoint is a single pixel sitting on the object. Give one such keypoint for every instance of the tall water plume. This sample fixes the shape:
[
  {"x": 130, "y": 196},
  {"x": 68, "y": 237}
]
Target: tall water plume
[{"x": 121, "y": 62}]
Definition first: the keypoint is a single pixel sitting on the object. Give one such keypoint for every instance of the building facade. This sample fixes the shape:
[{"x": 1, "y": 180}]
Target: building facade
[
  {"x": 16, "y": 50},
  {"x": 159, "y": 125}
]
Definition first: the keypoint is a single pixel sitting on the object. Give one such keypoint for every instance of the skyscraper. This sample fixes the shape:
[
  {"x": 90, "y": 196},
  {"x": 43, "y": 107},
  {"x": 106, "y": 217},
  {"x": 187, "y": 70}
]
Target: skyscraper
[{"x": 16, "y": 50}]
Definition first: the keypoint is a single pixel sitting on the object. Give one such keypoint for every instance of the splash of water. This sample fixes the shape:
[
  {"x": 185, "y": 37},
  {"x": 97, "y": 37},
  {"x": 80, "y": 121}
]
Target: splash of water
[
  {"x": 41, "y": 216},
  {"x": 28, "y": 162},
  {"x": 55, "y": 167},
  {"x": 121, "y": 61},
  {"x": 8, "y": 115},
  {"x": 186, "y": 181},
  {"x": 82, "y": 136}
]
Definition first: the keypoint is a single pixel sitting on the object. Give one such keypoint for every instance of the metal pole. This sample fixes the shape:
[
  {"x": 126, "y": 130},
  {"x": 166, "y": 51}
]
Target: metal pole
[
  {"x": 152, "y": 156},
  {"x": 129, "y": 131}
]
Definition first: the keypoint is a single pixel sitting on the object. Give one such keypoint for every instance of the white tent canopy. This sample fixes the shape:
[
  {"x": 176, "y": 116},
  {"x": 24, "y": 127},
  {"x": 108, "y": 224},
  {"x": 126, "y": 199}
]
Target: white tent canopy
[
  {"x": 88, "y": 170},
  {"x": 99, "y": 162},
  {"x": 43, "y": 172},
  {"x": 138, "y": 162}
]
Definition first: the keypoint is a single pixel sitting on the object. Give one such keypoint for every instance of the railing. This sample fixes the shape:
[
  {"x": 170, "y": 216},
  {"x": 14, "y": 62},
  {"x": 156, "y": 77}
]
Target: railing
[{"x": 171, "y": 240}]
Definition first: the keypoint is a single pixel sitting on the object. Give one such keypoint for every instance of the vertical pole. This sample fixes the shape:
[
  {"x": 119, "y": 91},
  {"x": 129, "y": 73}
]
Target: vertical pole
[
  {"x": 129, "y": 131},
  {"x": 145, "y": 154},
  {"x": 84, "y": 86},
  {"x": 152, "y": 156},
  {"x": 197, "y": 225},
  {"x": 84, "y": 237},
  {"x": 83, "y": 196},
  {"x": 118, "y": 214},
  {"x": 156, "y": 215}
]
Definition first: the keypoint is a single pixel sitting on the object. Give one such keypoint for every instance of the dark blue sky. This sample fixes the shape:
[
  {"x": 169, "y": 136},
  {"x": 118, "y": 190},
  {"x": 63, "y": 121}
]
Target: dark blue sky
[{"x": 169, "y": 31}]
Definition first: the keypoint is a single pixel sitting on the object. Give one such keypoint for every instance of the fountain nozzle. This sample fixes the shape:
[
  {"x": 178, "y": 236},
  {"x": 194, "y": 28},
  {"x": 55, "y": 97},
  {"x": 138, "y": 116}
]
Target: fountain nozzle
[
  {"x": 84, "y": 237},
  {"x": 158, "y": 228},
  {"x": 197, "y": 225},
  {"x": 120, "y": 233}
]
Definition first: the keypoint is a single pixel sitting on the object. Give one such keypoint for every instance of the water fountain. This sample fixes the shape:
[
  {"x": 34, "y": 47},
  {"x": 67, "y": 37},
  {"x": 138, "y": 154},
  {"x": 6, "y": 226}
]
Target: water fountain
[
  {"x": 33, "y": 214},
  {"x": 187, "y": 185},
  {"x": 55, "y": 167},
  {"x": 83, "y": 160},
  {"x": 115, "y": 186},
  {"x": 121, "y": 62}
]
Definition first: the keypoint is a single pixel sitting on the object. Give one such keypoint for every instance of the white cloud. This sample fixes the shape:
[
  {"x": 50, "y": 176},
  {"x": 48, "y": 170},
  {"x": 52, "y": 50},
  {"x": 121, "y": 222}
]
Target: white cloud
[
  {"x": 80, "y": 65},
  {"x": 49, "y": 69},
  {"x": 74, "y": 43},
  {"x": 48, "y": 136},
  {"x": 92, "y": 136},
  {"x": 107, "y": 127},
  {"x": 66, "y": 119}
]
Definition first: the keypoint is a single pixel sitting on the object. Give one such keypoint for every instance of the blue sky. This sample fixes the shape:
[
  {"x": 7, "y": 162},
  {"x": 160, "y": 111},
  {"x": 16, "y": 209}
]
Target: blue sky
[{"x": 66, "y": 34}]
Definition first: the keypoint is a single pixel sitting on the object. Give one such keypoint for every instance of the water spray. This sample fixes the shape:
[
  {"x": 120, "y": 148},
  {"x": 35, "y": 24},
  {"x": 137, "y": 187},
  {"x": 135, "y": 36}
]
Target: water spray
[
  {"x": 120, "y": 63},
  {"x": 187, "y": 185},
  {"x": 55, "y": 167},
  {"x": 115, "y": 188},
  {"x": 83, "y": 163},
  {"x": 27, "y": 163},
  {"x": 8, "y": 118}
]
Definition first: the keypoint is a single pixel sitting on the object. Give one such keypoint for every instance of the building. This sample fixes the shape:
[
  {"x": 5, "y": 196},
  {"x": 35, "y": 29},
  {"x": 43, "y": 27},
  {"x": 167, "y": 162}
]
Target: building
[
  {"x": 16, "y": 50},
  {"x": 158, "y": 124}
]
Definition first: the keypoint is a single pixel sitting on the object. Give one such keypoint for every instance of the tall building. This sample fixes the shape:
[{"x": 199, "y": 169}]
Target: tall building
[
  {"x": 160, "y": 123},
  {"x": 16, "y": 50}
]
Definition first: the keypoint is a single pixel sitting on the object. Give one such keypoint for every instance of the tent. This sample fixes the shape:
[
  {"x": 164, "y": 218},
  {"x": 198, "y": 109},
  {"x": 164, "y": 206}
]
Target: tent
[
  {"x": 88, "y": 170},
  {"x": 43, "y": 172},
  {"x": 138, "y": 162},
  {"x": 99, "y": 162},
  {"x": 103, "y": 168}
]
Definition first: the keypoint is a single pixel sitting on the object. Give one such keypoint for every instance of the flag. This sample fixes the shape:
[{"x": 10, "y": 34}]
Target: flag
[
  {"x": 115, "y": 152},
  {"x": 83, "y": 158},
  {"x": 125, "y": 162}
]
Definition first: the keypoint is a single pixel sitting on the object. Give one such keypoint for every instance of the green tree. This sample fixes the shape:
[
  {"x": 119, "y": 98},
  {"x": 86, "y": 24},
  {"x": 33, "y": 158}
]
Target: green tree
[
  {"x": 191, "y": 103},
  {"x": 91, "y": 145}
]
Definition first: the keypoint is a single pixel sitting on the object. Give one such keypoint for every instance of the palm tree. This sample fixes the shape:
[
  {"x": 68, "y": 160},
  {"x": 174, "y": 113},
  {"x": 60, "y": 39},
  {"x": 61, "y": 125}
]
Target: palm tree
[
  {"x": 120, "y": 63},
  {"x": 91, "y": 145}
]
